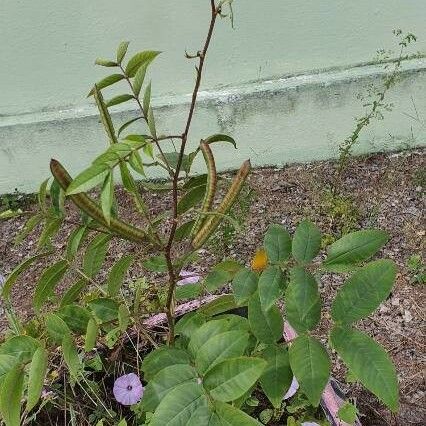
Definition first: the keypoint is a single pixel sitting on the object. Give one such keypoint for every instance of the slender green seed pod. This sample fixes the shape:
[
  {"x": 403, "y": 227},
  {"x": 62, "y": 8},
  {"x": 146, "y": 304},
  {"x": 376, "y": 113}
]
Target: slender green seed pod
[
  {"x": 86, "y": 204},
  {"x": 210, "y": 189},
  {"x": 213, "y": 221},
  {"x": 105, "y": 115}
]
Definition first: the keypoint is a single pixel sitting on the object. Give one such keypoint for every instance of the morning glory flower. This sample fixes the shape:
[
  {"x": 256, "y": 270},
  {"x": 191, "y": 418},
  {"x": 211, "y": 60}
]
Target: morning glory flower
[
  {"x": 128, "y": 389},
  {"x": 188, "y": 277},
  {"x": 310, "y": 424},
  {"x": 293, "y": 389}
]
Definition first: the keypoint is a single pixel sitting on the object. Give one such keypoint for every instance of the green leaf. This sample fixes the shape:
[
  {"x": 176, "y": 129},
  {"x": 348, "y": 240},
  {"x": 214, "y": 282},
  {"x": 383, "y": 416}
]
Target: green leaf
[
  {"x": 155, "y": 264},
  {"x": 50, "y": 229},
  {"x": 7, "y": 362},
  {"x": 41, "y": 196},
  {"x": 347, "y": 413},
  {"x": 123, "y": 317},
  {"x": 122, "y": 50},
  {"x": 151, "y": 122},
  {"x": 306, "y": 242},
  {"x": 232, "y": 378},
  {"x": 91, "y": 335},
  {"x": 95, "y": 254},
  {"x": 147, "y": 99},
  {"x": 29, "y": 226},
  {"x": 189, "y": 323},
  {"x": 14, "y": 275},
  {"x": 225, "y": 345},
  {"x": 72, "y": 294},
  {"x": 355, "y": 247},
  {"x": 141, "y": 58},
  {"x": 75, "y": 316},
  {"x": 271, "y": 284},
  {"x": 136, "y": 163},
  {"x": 127, "y": 178},
  {"x": 221, "y": 274},
  {"x": 277, "y": 376},
  {"x": 164, "y": 382},
  {"x": 10, "y": 396},
  {"x": 107, "y": 81},
  {"x": 20, "y": 347},
  {"x": 117, "y": 274},
  {"x": 219, "y": 305},
  {"x": 364, "y": 291},
  {"x": 188, "y": 291},
  {"x": 184, "y": 230},
  {"x": 87, "y": 179},
  {"x": 56, "y": 327},
  {"x": 69, "y": 350},
  {"x": 311, "y": 365},
  {"x": 161, "y": 358},
  {"x": 220, "y": 138},
  {"x": 277, "y": 243},
  {"x": 227, "y": 415},
  {"x": 107, "y": 197},
  {"x": 105, "y": 63},
  {"x": 244, "y": 285},
  {"x": 37, "y": 373},
  {"x": 119, "y": 99},
  {"x": 179, "y": 405},
  {"x": 195, "y": 181},
  {"x": 303, "y": 302},
  {"x": 139, "y": 79},
  {"x": 266, "y": 326},
  {"x": 75, "y": 239},
  {"x": 57, "y": 198},
  {"x": 104, "y": 309},
  {"x": 127, "y": 124},
  {"x": 369, "y": 362},
  {"x": 191, "y": 199},
  {"x": 47, "y": 283}
]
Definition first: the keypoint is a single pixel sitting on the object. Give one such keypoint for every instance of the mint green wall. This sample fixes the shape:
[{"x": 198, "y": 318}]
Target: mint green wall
[{"x": 48, "y": 48}]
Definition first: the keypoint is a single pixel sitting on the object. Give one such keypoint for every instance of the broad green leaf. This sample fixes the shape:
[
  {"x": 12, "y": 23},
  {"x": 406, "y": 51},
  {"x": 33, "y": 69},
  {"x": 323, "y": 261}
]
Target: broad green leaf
[
  {"x": 107, "y": 81},
  {"x": 107, "y": 197},
  {"x": 75, "y": 239},
  {"x": 191, "y": 199},
  {"x": 20, "y": 347},
  {"x": 71, "y": 358},
  {"x": 155, "y": 264},
  {"x": 161, "y": 358},
  {"x": 369, "y": 362},
  {"x": 91, "y": 335},
  {"x": 117, "y": 274},
  {"x": 14, "y": 275},
  {"x": 139, "y": 79},
  {"x": 219, "y": 305},
  {"x": 347, "y": 413},
  {"x": 311, "y": 365},
  {"x": 164, "y": 382},
  {"x": 136, "y": 163},
  {"x": 232, "y": 378},
  {"x": 105, "y": 62},
  {"x": 37, "y": 373},
  {"x": 189, "y": 323},
  {"x": 123, "y": 317},
  {"x": 95, "y": 254},
  {"x": 302, "y": 300},
  {"x": 222, "y": 346},
  {"x": 127, "y": 178},
  {"x": 87, "y": 179},
  {"x": 172, "y": 159},
  {"x": 306, "y": 242},
  {"x": 277, "y": 243},
  {"x": 179, "y": 405},
  {"x": 266, "y": 326},
  {"x": 10, "y": 396},
  {"x": 188, "y": 291},
  {"x": 221, "y": 274},
  {"x": 73, "y": 293},
  {"x": 141, "y": 58},
  {"x": 57, "y": 198},
  {"x": 147, "y": 99},
  {"x": 184, "y": 230},
  {"x": 119, "y": 99},
  {"x": 76, "y": 317},
  {"x": 104, "y": 309},
  {"x": 56, "y": 327},
  {"x": 48, "y": 281},
  {"x": 355, "y": 247},
  {"x": 195, "y": 181},
  {"x": 271, "y": 284},
  {"x": 122, "y": 50},
  {"x": 228, "y": 415},
  {"x": 244, "y": 285},
  {"x": 7, "y": 362},
  {"x": 363, "y": 292},
  {"x": 277, "y": 376}
]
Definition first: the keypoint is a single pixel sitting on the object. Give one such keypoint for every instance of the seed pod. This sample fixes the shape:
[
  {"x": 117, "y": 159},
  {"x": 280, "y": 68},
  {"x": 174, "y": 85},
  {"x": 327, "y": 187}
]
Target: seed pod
[
  {"x": 86, "y": 204},
  {"x": 212, "y": 223},
  {"x": 210, "y": 189}
]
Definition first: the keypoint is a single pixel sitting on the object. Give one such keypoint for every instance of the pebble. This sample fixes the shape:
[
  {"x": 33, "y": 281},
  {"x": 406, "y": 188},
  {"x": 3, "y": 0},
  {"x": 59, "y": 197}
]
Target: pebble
[{"x": 407, "y": 316}]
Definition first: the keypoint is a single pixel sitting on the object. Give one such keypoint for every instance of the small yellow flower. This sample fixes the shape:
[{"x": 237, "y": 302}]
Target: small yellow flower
[{"x": 259, "y": 261}]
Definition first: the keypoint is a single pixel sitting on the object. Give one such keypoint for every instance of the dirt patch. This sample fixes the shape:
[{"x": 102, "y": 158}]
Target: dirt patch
[{"x": 386, "y": 191}]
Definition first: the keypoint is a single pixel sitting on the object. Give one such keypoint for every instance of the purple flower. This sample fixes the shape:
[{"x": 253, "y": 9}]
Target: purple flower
[
  {"x": 310, "y": 424},
  {"x": 293, "y": 389},
  {"x": 128, "y": 389},
  {"x": 188, "y": 277}
]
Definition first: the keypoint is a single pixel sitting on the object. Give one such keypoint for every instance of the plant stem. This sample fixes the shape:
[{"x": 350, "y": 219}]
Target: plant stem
[{"x": 168, "y": 249}]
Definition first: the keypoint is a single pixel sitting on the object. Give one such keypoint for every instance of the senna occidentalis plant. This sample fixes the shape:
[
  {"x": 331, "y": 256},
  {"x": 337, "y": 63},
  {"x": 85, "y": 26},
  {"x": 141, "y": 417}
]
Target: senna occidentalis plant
[{"x": 88, "y": 206}]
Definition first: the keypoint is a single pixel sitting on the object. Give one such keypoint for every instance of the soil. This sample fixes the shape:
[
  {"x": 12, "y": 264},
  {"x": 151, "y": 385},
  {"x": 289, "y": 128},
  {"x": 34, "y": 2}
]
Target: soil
[{"x": 384, "y": 191}]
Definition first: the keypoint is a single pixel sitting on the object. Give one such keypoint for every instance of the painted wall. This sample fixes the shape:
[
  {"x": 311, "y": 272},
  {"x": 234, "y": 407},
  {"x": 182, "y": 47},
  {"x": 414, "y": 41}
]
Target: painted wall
[{"x": 48, "y": 48}]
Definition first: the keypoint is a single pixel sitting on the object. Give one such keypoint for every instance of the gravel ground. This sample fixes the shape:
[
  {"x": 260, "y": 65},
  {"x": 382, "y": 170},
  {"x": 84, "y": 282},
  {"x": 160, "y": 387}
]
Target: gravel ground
[{"x": 387, "y": 192}]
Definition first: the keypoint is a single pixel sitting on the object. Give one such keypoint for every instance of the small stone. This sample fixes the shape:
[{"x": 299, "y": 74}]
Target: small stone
[
  {"x": 395, "y": 301},
  {"x": 407, "y": 316}
]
